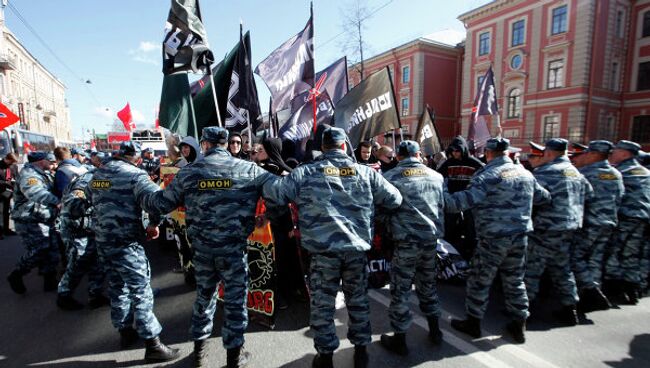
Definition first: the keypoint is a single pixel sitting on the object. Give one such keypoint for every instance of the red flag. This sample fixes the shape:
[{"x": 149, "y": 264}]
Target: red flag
[
  {"x": 127, "y": 119},
  {"x": 7, "y": 117}
]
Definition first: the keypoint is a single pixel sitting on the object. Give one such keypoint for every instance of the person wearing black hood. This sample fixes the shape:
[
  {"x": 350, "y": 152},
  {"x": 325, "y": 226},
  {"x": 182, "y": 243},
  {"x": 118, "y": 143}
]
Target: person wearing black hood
[
  {"x": 270, "y": 157},
  {"x": 458, "y": 170},
  {"x": 290, "y": 279}
]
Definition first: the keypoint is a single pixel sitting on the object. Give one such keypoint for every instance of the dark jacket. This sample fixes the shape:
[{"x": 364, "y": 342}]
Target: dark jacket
[
  {"x": 459, "y": 172},
  {"x": 8, "y": 175}
]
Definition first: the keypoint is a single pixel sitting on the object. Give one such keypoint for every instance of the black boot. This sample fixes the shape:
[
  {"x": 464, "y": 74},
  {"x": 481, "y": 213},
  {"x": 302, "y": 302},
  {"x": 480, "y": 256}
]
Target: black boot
[
  {"x": 631, "y": 291},
  {"x": 50, "y": 282},
  {"x": 156, "y": 351},
  {"x": 16, "y": 282},
  {"x": 360, "y": 356},
  {"x": 435, "y": 335},
  {"x": 395, "y": 343},
  {"x": 516, "y": 330},
  {"x": 237, "y": 357},
  {"x": 67, "y": 302},
  {"x": 199, "y": 353},
  {"x": 470, "y": 326},
  {"x": 322, "y": 360},
  {"x": 592, "y": 299},
  {"x": 567, "y": 315},
  {"x": 613, "y": 290},
  {"x": 97, "y": 301},
  {"x": 128, "y": 337}
]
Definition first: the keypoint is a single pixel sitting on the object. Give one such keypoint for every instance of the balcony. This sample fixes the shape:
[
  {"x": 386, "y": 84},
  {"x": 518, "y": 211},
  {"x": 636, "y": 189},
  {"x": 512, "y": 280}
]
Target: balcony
[{"x": 7, "y": 63}]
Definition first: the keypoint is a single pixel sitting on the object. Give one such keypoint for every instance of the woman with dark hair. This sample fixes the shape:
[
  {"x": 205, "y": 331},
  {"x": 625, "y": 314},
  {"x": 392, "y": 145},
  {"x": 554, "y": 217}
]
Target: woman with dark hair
[{"x": 235, "y": 143}]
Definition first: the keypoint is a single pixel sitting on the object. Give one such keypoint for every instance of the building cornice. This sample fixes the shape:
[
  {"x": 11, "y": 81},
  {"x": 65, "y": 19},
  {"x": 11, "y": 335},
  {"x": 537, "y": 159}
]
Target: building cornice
[
  {"x": 486, "y": 9},
  {"x": 7, "y": 34},
  {"x": 418, "y": 42}
]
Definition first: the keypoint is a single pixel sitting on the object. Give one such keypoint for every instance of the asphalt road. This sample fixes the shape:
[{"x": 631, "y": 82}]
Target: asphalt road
[{"x": 35, "y": 333}]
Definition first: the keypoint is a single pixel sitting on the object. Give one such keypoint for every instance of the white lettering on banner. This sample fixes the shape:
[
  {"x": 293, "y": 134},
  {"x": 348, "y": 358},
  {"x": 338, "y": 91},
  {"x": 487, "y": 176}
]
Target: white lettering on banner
[
  {"x": 304, "y": 55},
  {"x": 370, "y": 108},
  {"x": 173, "y": 42},
  {"x": 378, "y": 265}
]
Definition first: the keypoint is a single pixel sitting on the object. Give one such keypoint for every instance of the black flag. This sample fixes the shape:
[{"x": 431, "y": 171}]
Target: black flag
[
  {"x": 185, "y": 46},
  {"x": 289, "y": 70},
  {"x": 485, "y": 103},
  {"x": 243, "y": 106},
  {"x": 336, "y": 79},
  {"x": 368, "y": 110},
  {"x": 301, "y": 123},
  {"x": 427, "y": 135}
]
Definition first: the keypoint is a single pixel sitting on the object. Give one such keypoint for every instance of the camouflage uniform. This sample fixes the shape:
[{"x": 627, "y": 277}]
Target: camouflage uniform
[
  {"x": 415, "y": 226},
  {"x": 220, "y": 193},
  {"x": 79, "y": 239},
  {"x": 116, "y": 192},
  {"x": 628, "y": 245},
  {"x": 34, "y": 213},
  {"x": 336, "y": 198},
  {"x": 501, "y": 196},
  {"x": 555, "y": 224},
  {"x": 599, "y": 222}
]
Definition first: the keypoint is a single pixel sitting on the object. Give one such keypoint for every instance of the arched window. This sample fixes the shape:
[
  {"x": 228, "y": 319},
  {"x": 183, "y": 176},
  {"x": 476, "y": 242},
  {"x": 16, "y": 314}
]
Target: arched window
[{"x": 514, "y": 103}]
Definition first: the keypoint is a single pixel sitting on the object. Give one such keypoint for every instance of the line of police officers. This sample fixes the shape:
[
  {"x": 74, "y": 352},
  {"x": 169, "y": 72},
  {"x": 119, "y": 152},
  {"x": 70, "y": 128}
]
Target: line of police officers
[{"x": 574, "y": 211}]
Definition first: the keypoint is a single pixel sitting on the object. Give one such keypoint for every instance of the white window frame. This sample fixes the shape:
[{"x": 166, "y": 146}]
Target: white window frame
[
  {"x": 567, "y": 23},
  {"x": 559, "y": 82},
  {"x": 478, "y": 42},
  {"x": 407, "y": 67},
  {"x": 544, "y": 121},
  {"x": 405, "y": 112},
  {"x": 512, "y": 28}
]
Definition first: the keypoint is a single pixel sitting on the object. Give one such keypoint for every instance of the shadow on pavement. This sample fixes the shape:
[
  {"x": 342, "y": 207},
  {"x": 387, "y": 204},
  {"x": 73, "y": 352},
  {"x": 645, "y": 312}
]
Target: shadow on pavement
[{"x": 639, "y": 354}]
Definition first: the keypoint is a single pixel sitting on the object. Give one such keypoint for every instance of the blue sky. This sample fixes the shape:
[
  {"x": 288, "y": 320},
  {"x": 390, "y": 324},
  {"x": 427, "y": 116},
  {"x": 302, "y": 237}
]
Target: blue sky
[{"x": 116, "y": 44}]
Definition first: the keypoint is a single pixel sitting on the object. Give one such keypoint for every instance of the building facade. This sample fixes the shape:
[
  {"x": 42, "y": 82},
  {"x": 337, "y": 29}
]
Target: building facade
[
  {"x": 30, "y": 90},
  {"x": 424, "y": 72},
  {"x": 578, "y": 69}
]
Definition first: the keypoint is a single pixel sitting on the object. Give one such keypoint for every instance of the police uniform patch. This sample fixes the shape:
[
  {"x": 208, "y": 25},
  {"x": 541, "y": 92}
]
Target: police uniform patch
[
  {"x": 569, "y": 173},
  {"x": 414, "y": 172},
  {"x": 79, "y": 194},
  {"x": 343, "y": 171},
  {"x": 606, "y": 176},
  {"x": 100, "y": 184},
  {"x": 32, "y": 181},
  {"x": 637, "y": 172},
  {"x": 509, "y": 174},
  {"x": 214, "y": 184}
]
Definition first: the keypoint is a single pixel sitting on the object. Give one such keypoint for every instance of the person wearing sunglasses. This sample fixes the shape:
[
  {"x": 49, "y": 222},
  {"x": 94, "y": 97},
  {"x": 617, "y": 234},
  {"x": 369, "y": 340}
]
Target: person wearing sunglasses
[{"x": 235, "y": 146}]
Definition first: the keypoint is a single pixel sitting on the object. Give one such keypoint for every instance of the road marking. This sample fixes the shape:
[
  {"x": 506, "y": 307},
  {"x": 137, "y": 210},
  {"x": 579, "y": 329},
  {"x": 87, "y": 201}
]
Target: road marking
[{"x": 483, "y": 357}]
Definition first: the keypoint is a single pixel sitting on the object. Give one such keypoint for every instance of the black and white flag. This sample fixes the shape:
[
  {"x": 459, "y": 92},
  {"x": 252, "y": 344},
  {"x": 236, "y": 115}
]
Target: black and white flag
[
  {"x": 336, "y": 79},
  {"x": 368, "y": 110},
  {"x": 426, "y": 133},
  {"x": 243, "y": 107},
  {"x": 485, "y": 104},
  {"x": 185, "y": 45},
  {"x": 301, "y": 123},
  {"x": 289, "y": 69}
]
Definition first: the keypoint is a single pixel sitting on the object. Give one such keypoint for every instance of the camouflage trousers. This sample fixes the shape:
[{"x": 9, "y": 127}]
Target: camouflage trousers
[
  {"x": 550, "y": 251},
  {"x": 210, "y": 269},
  {"x": 41, "y": 247},
  {"x": 327, "y": 272},
  {"x": 82, "y": 260},
  {"x": 587, "y": 252},
  {"x": 506, "y": 255},
  {"x": 627, "y": 249},
  {"x": 645, "y": 260},
  {"x": 129, "y": 288},
  {"x": 413, "y": 263}
]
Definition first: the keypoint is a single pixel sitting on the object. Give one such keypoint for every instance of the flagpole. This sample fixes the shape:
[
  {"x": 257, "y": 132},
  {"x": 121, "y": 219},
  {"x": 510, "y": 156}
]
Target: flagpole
[
  {"x": 313, "y": 56},
  {"x": 214, "y": 96},
  {"x": 196, "y": 129}
]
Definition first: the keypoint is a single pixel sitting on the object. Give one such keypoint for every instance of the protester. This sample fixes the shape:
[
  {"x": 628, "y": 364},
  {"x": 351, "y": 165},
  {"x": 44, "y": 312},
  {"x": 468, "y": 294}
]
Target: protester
[{"x": 8, "y": 176}]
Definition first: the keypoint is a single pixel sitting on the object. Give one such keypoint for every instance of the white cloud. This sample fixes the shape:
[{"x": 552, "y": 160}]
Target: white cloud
[
  {"x": 148, "y": 52},
  {"x": 105, "y": 112},
  {"x": 147, "y": 46},
  {"x": 138, "y": 116},
  {"x": 447, "y": 36}
]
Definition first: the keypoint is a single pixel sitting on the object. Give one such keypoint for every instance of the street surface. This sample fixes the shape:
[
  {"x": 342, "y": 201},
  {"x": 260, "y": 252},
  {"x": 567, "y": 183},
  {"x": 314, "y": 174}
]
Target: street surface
[{"x": 35, "y": 333}]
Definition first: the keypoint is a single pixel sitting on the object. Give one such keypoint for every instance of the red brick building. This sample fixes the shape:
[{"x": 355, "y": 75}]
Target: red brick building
[
  {"x": 578, "y": 69},
  {"x": 423, "y": 72}
]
